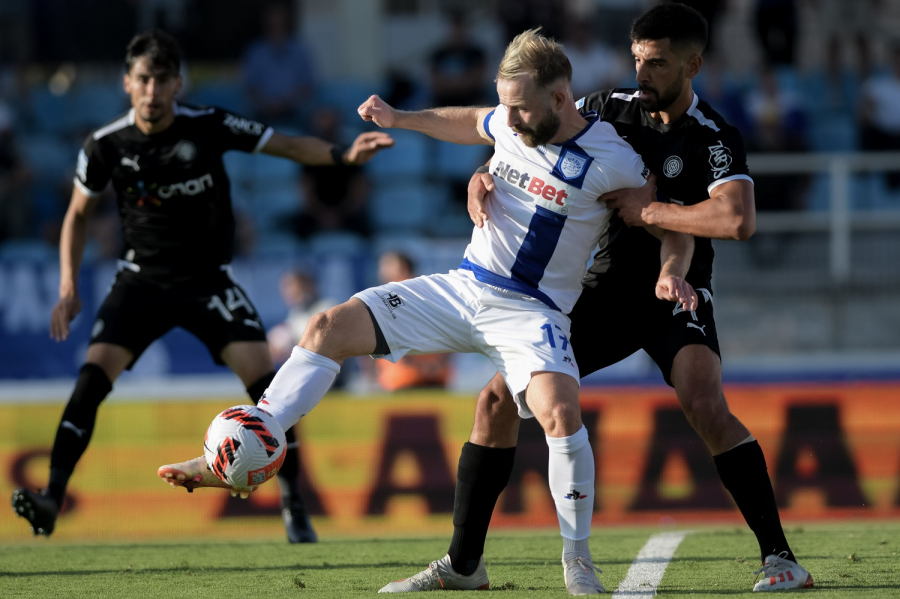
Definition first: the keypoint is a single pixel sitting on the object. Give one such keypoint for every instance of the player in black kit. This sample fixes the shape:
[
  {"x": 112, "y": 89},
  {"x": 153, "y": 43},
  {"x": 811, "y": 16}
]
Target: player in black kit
[
  {"x": 704, "y": 189},
  {"x": 165, "y": 163}
]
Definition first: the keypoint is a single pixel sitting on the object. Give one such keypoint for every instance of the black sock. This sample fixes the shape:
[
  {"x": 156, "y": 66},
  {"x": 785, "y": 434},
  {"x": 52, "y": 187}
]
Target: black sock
[
  {"x": 76, "y": 427},
  {"x": 288, "y": 474},
  {"x": 256, "y": 390},
  {"x": 290, "y": 468},
  {"x": 482, "y": 475},
  {"x": 743, "y": 472}
]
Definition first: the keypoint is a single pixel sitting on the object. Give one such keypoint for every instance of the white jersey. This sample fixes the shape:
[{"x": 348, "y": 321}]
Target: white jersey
[{"x": 545, "y": 219}]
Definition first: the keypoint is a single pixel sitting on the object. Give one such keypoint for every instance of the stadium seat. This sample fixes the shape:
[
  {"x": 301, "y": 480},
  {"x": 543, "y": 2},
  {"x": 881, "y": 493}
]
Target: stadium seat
[
  {"x": 27, "y": 250},
  {"x": 267, "y": 208},
  {"x": 48, "y": 156},
  {"x": 240, "y": 166},
  {"x": 833, "y": 133},
  {"x": 345, "y": 94},
  {"x": 337, "y": 243},
  {"x": 272, "y": 246},
  {"x": 459, "y": 162},
  {"x": 272, "y": 173},
  {"x": 96, "y": 105},
  {"x": 406, "y": 205},
  {"x": 52, "y": 113},
  {"x": 411, "y": 157},
  {"x": 222, "y": 94},
  {"x": 430, "y": 255}
]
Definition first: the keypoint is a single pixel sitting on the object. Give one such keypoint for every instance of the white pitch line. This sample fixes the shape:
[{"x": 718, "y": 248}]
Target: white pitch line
[{"x": 647, "y": 570}]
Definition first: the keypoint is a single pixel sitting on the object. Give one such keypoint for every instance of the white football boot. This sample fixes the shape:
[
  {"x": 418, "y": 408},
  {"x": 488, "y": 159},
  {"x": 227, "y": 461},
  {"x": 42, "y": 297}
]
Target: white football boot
[
  {"x": 194, "y": 474},
  {"x": 580, "y": 575},
  {"x": 780, "y": 574},
  {"x": 440, "y": 575}
]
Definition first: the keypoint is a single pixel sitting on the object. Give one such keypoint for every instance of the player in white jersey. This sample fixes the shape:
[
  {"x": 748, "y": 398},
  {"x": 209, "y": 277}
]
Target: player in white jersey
[{"x": 520, "y": 276}]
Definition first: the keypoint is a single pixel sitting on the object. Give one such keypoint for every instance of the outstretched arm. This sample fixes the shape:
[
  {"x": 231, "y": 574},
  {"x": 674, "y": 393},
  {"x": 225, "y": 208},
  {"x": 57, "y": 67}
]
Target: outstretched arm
[
  {"x": 315, "y": 151},
  {"x": 459, "y": 125}
]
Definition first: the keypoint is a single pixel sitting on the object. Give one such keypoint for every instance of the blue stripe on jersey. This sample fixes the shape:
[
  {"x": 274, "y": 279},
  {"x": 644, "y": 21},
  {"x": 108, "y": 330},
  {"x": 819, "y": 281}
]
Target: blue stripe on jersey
[
  {"x": 491, "y": 278},
  {"x": 487, "y": 126},
  {"x": 537, "y": 247}
]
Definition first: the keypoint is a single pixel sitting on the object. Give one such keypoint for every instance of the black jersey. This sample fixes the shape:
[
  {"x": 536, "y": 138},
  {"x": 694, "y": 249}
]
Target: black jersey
[
  {"x": 689, "y": 157},
  {"x": 173, "y": 193}
]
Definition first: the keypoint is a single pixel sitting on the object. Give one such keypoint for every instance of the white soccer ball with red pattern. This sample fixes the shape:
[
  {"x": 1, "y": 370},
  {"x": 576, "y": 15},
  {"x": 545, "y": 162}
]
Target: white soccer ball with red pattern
[{"x": 244, "y": 446}]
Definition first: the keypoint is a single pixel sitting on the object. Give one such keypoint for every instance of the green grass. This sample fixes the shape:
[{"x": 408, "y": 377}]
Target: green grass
[{"x": 853, "y": 560}]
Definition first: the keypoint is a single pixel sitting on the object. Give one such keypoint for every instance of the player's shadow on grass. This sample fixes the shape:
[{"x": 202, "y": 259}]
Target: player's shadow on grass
[{"x": 182, "y": 568}]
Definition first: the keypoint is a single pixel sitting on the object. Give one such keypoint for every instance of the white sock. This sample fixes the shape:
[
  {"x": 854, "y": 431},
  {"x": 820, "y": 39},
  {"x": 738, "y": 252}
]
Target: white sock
[
  {"x": 299, "y": 386},
  {"x": 571, "y": 474},
  {"x": 575, "y": 548}
]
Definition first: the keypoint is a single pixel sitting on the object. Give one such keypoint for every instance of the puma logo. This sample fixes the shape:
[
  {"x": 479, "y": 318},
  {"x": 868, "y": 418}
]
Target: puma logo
[
  {"x": 133, "y": 163},
  {"x": 78, "y": 431},
  {"x": 698, "y": 327}
]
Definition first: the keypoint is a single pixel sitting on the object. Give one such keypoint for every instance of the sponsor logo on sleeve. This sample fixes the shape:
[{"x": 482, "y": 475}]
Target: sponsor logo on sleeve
[
  {"x": 391, "y": 301},
  {"x": 719, "y": 159},
  {"x": 241, "y": 125}
]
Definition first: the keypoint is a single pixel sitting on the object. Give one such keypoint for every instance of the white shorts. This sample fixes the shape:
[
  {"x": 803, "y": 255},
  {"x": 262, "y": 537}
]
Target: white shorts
[{"x": 454, "y": 312}]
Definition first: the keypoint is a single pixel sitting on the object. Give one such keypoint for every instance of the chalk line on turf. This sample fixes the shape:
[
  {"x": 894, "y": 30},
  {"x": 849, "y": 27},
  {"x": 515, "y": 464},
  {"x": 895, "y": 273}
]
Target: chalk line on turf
[{"x": 647, "y": 570}]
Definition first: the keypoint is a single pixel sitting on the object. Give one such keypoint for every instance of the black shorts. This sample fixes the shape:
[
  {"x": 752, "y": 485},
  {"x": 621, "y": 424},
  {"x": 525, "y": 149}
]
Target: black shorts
[
  {"x": 618, "y": 317},
  {"x": 212, "y": 307}
]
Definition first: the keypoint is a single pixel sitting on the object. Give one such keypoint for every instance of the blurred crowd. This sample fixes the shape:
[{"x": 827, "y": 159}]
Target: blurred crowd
[{"x": 846, "y": 102}]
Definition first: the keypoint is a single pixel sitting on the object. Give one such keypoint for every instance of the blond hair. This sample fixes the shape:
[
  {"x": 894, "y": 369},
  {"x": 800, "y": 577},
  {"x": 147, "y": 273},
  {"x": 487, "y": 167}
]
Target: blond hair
[{"x": 530, "y": 53}]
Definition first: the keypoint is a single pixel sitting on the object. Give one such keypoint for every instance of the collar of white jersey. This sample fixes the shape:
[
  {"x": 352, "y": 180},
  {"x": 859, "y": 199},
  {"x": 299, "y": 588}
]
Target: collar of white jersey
[{"x": 591, "y": 117}]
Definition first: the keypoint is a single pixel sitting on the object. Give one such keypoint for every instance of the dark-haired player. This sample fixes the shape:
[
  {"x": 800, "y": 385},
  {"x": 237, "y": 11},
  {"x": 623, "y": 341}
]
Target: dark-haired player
[
  {"x": 164, "y": 159},
  {"x": 700, "y": 165}
]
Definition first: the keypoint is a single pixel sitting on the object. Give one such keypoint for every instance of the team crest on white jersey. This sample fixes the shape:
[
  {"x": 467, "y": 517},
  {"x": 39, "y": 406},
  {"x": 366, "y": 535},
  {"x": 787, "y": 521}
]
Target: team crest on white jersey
[{"x": 572, "y": 165}]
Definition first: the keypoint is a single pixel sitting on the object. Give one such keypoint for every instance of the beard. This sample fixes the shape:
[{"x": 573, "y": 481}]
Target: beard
[
  {"x": 152, "y": 118},
  {"x": 542, "y": 133},
  {"x": 662, "y": 100}
]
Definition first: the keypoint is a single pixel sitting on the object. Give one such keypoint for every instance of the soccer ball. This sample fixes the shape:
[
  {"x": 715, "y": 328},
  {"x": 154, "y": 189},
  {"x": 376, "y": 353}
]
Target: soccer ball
[{"x": 244, "y": 446}]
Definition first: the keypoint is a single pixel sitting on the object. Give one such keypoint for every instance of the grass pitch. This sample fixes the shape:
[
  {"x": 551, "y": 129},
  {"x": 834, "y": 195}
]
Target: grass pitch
[{"x": 852, "y": 560}]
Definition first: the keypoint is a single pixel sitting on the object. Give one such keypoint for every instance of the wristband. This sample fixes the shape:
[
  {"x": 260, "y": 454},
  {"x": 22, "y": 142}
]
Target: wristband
[{"x": 337, "y": 153}]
